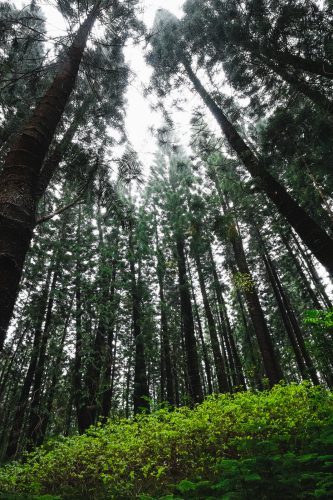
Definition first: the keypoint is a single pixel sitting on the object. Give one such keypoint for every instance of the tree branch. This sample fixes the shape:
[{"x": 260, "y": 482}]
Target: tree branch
[{"x": 61, "y": 209}]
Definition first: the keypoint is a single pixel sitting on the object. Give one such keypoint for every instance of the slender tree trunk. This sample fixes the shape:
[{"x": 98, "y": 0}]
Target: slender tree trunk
[
  {"x": 311, "y": 233},
  {"x": 218, "y": 358},
  {"x": 192, "y": 361},
  {"x": 7, "y": 366},
  {"x": 19, "y": 177},
  {"x": 166, "y": 363},
  {"x": 110, "y": 349},
  {"x": 54, "y": 381},
  {"x": 309, "y": 291},
  {"x": 165, "y": 341},
  {"x": 22, "y": 404},
  {"x": 249, "y": 348},
  {"x": 77, "y": 368},
  {"x": 225, "y": 324},
  {"x": 293, "y": 330},
  {"x": 36, "y": 411},
  {"x": 141, "y": 391},
  {"x": 201, "y": 335},
  {"x": 272, "y": 367},
  {"x": 313, "y": 272},
  {"x": 51, "y": 163}
]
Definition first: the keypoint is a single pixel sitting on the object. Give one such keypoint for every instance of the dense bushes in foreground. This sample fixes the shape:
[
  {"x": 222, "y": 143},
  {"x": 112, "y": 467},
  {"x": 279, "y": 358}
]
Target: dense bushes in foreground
[{"x": 273, "y": 444}]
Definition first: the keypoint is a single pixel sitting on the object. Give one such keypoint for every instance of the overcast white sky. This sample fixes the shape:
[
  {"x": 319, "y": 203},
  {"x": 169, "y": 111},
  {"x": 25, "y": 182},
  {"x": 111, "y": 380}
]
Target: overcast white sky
[{"x": 139, "y": 115}]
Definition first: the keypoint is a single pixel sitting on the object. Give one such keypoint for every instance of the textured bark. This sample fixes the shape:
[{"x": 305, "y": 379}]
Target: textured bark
[
  {"x": 192, "y": 361},
  {"x": 310, "y": 232},
  {"x": 19, "y": 178}
]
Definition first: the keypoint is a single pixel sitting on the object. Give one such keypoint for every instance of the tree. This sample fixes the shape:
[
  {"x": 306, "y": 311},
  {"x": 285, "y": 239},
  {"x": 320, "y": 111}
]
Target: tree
[{"x": 162, "y": 57}]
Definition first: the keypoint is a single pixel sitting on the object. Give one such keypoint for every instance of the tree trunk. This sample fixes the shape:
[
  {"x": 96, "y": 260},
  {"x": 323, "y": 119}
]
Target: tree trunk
[
  {"x": 317, "y": 67},
  {"x": 192, "y": 361},
  {"x": 165, "y": 341},
  {"x": 299, "y": 84},
  {"x": 311, "y": 233},
  {"x": 141, "y": 391},
  {"x": 54, "y": 381},
  {"x": 201, "y": 335},
  {"x": 238, "y": 375},
  {"x": 313, "y": 272},
  {"x": 218, "y": 358},
  {"x": 77, "y": 368},
  {"x": 51, "y": 163},
  {"x": 271, "y": 364},
  {"x": 293, "y": 330},
  {"x": 22, "y": 404},
  {"x": 19, "y": 178},
  {"x": 110, "y": 349},
  {"x": 35, "y": 417},
  {"x": 309, "y": 291}
]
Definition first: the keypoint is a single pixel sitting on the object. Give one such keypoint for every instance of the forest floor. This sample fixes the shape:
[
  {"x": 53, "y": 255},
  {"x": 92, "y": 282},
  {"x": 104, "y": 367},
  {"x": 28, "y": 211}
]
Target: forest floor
[{"x": 275, "y": 444}]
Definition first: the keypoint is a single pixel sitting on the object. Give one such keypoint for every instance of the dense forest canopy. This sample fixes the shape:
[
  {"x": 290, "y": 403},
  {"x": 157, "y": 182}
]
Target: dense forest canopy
[{"x": 131, "y": 282}]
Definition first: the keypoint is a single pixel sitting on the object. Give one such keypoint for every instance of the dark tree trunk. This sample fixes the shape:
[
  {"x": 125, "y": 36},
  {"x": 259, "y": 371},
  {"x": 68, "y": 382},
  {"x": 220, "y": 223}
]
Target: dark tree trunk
[
  {"x": 52, "y": 161},
  {"x": 22, "y": 404},
  {"x": 90, "y": 405},
  {"x": 271, "y": 364},
  {"x": 226, "y": 327},
  {"x": 141, "y": 391},
  {"x": 19, "y": 177},
  {"x": 309, "y": 291},
  {"x": 299, "y": 84},
  {"x": 293, "y": 330},
  {"x": 300, "y": 63},
  {"x": 192, "y": 361},
  {"x": 78, "y": 365},
  {"x": 110, "y": 350},
  {"x": 206, "y": 359},
  {"x": 249, "y": 349},
  {"x": 165, "y": 341},
  {"x": 51, "y": 391},
  {"x": 36, "y": 411},
  {"x": 8, "y": 365},
  {"x": 313, "y": 272},
  {"x": 311, "y": 233},
  {"x": 218, "y": 358}
]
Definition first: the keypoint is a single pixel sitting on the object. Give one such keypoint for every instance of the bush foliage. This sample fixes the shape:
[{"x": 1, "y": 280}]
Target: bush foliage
[{"x": 272, "y": 444}]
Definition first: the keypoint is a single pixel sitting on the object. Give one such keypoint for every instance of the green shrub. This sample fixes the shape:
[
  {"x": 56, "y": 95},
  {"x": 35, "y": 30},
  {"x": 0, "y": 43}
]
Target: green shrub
[{"x": 218, "y": 441}]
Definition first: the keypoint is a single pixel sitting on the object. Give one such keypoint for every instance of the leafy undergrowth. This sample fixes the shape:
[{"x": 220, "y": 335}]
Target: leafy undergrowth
[{"x": 274, "y": 444}]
